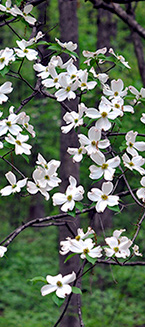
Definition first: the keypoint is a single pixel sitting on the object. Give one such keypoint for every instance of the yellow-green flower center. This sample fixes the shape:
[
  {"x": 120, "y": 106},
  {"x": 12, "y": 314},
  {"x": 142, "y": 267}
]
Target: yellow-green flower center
[
  {"x": 104, "y": 166},
  {"x": 9, "y": 123},
  {"x": 117, "y": 105},
  {"x": 25, "y": 51},
  {"x": 80, "y": 151},
  {"x": 116, "y": 249},
  {"x": 69, "y": 197},
  {"x": 131, "y": 164},
  {"x": 47, "y": 177},
  {"x": 56, "y": 80},
  {"x": 26, "y": 125},
  {"x": 104, "y": 197},
  {"x": 104, "y": 114},
  {"x": 68, "y": 88},
  {"x": 85, "y": 251},
  {"x": 59, "y": 284},
  {"x": 18, "y": 142},
  {"x": 83, "y": 84},
  {"x": 2, "y": 59},
  {"x": 130, "y": 144},
  {"x": 77, "y": 237},
  {"x": 14, "y": 185},
  {"x": 93, "y": 143},
  {"x": 116, "y": 93},
  {"x": 73, "y": 76},
  {"x": 76, "y": 120}
]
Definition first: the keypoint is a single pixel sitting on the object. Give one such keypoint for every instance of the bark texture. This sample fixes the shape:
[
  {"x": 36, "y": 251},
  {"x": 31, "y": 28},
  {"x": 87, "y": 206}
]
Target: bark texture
[{"x": 68, "y": 31}]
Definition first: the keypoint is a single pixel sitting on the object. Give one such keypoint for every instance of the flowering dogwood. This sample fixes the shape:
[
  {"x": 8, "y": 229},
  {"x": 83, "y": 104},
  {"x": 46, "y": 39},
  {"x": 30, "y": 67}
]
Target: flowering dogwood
[
  {"x": 67, "y": 89},
  {"x": 6, "y": 57},
  {"x": 135, "y": 163},
  {"x": 143, "y": 118},
  {"x": 120, "y": 58},
  {"x": 14, "y": 185},
  {"x": 141, "y": 191},
  {"x": 59, "y": 284},
  {"x": 7, "y": 8},
  {"x": 136, "y": 251},
  {"x": 104, "y": 167},
  {"x": 138, "y": 94},
  {"x": 5, "y": 88},
  {"x": 92, "y": 143},
  {"x": 118, "y": 246},
  {"x": 33, "y": 188},
  {"x": 82, "y": 247},
  {"x": 3, "y": 249},
  {"x": 30, "y": 54},
  {"x": 19, "y": 142},
  {"x": 77, "y": 153},
  {"x": 102, "y": 197},
  {"x": 93, "y": 55},
  {"x": 132, "y": 146},
  {"x": 10, "y": 125},
  {"x": 73, "y": 119},
  {"x": 103, "y": 114},
  {"x": 71, "y": 195},
  {"x": 25, "y": 13},
  {"x": 116, "y": 89},
  {"x": 67, "y": 45}
]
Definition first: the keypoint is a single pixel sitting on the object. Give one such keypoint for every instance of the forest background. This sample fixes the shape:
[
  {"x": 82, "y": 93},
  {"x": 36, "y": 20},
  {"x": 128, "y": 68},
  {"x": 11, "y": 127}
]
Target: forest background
[{"x": 115, "y": 294}]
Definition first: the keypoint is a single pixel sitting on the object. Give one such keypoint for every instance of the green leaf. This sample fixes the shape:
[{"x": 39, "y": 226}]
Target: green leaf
[
  {"x": 5, "y": 70},
  {"x": 91, "y": 260},
  {"x": 7, "y": 145},
  {"x": 57, "y": 300},
  {"x": 79, "y": 206},
  {"x": 37, "y": 279},
  {"x": 69, "y": 257},
  {"x": 25, "y": 157},
  {"x": 115, "y": 208},
  {"x": 43, "y": 43},
  {"x": 76, "y": 290},
  {"x": 55, "y": 47},
  {"x": 72, "y": 213},
  {"x": 118, "y": 122},
  {"x": 142, "y": 100},
  {"x": 71, "y": 53}
]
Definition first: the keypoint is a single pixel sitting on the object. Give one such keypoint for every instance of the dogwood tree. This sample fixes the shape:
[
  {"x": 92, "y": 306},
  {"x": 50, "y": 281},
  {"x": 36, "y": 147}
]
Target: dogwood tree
[{"x": 61, "y": 80}]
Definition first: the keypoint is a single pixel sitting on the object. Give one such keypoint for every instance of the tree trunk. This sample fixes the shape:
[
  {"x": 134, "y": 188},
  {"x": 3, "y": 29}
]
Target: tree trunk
[{"x": 68, "y": 32}]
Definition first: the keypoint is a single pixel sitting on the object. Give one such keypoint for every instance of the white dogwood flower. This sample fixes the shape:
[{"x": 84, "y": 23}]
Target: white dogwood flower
[
  {"x": 6, "y": 57},
  {"x": 118, "y": 246},
  {"x": 143, "y": 118},
  {"x": 136, "y": 250},
  {"x": 120, "y": 58},
  {"x": 14, "y": 185},
  {"x": 66, "y": 245},
  {"x": 139, "y": 94},
  {"x": 59, "y": 284},
  {"x": 19, "y": 142},
  {"x": 77, "y": 153},
  {"x": 72, "y": 194},
  {"x": 93, "y": 55},
  {"x": 5, "y": 88},
  {"x": 30, "y": 54},
  {"x": 102, "y": 197},
  {"x": 73, "y": 119},
  {"x": 3, "y": 249},
  {"x": 10, "y": 125},
  {"x": 135, "y": 163},
  {"x": 141, "y": 191},
  {"x": 132, "y": 145},
  {"x": 67, "y": 89},
  {"x": 116, "y": 89},
  {"x": 106, "y": 168},
  {"x": 7, "y": 8},
  {"x": 93, "y": 143},
  {"x": 103, "y": 114},
  {"x": 53, "y": 81},
  {"x": 67, "y": 45},
  {"x": 33, "y": 188},
  {"x": 25, "y": 13}
]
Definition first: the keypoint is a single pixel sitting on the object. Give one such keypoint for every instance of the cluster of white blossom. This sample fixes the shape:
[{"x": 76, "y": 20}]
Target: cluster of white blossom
[{"x": 70, "y": 82}]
